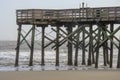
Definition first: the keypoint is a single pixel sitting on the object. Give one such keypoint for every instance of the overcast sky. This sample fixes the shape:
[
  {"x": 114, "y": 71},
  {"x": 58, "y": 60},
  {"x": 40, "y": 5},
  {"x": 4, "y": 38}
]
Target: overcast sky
[{"x": 8, "y": 27}]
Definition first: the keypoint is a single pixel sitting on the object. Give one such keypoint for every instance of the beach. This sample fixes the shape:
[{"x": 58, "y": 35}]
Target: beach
[
  {"x": 60, "y": 75},
  {"x": 50, "y": 71}
]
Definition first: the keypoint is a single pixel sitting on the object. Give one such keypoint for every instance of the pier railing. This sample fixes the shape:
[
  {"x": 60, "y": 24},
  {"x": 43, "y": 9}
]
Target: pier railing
[{"x": 29, "y": 16}]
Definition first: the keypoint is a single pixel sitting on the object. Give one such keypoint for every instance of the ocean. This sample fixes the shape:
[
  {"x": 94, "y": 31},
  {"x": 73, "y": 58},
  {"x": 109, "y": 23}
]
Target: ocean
[{"x": 7, "y": 59}]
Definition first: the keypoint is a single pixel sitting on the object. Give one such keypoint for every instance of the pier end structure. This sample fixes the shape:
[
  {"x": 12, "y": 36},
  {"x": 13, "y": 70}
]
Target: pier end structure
[{"x": 85, "y": 17}]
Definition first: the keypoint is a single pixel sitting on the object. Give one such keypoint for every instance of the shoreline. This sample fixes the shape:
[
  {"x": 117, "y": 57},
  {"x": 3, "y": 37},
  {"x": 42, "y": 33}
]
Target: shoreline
[{"x": 60, "y": 75}]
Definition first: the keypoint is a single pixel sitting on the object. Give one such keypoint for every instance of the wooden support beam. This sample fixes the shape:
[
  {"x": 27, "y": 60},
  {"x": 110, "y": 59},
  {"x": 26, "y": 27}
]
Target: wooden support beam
[
  {"x": 18, "y": 46},
  {"x": 118, "y": 61},
  {"x": 90, "y": 46},
  {"x": 66, "y": 38},
  {"x": 32, "y": 46},
  {"x": 63, "y": 31},
  {"x": 50, "y": 43},
  {"x": 96, "y": 36},
  {"x": 24, "y": 37},
  {"x": 57, "y": 46},
  {"x": 97, "y": 48},
  {"x": 115, "y": 31},
  {"x": 71, "y": 34},
  {"x": 42, "y": 47},
  {"x": 86, "y": 37},
  {"x": 80, "y": 42},
  {"x": 104, "y": 49},
  {"x": 111, "y": 39},
  {"x": 69, "y": 29},
  {"x": 61, "y": 35},
  {"x": 113, "y": 35},
  {"x": 47, "y": 38},
  {"x": 76, "y": 50},
  {"x": 94, "y": 45},
  {"x": 111, "y": 46},
  {"x": 83, "y": 46},
  {"x": 107, "y": 55},
  {"x": 93, "y": 57},
  {"x": 26, "y": 41}
]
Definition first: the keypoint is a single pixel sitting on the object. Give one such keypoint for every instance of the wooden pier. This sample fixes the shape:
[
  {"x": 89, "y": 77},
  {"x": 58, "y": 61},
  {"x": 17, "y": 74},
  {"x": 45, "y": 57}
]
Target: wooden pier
[{"x": 104, "y": 18}]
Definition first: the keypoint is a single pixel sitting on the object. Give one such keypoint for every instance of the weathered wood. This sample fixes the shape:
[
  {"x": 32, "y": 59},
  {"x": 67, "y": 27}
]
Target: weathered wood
[
  {"x": 18, "y": 46},
  {"x": 48, "y": 38},
  {"x": 32, "y": 46},
  {"x": 104, "y": 49},
  {"x": 43, "y": 16},
  {"x": 90, "y": 45},
  {"x": 76, "y": 50},
  {"x": 93, "y": 57},
  {"x": 52, "y": 41},
  {"x": 107, "y": 55},
  {"x": 71, "y": 34},
  {"x": 83, "y": 46},
  {"x": 74, "y": 42},
  {"x": 97, "y": 48},
  {"x": 42, "y": 47},
  {"x": 70, "y": 51},
  {"x": 111, "y": 39},
  {"x": 63, "y": 31},
  {"x": 64, "y": 36},
  {"x": 57, "y": 46},
  {"x": 71, "y": 17},
  {"x": 118, "y": 60},
  {"x": 115, "y": 31},
  {"x": 61, "y": 42},
  {"x": 113, "y": 36},
  {"x": 94, "y": 45},
  {"x": 25, "y": 41},
  {"x": 111, "y": 46},
  {"x": 24, "y": 37}
]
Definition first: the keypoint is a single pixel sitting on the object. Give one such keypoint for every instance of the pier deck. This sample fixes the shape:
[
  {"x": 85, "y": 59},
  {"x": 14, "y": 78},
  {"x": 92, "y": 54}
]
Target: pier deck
[{"x": 54, "y": 16}]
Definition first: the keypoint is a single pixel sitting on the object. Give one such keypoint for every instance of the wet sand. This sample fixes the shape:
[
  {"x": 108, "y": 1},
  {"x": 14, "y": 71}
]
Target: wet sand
[{"x": 60, "y": 75}]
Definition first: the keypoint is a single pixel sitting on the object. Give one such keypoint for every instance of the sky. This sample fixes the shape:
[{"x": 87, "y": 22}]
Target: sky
[{"x": 8, "y": 27}]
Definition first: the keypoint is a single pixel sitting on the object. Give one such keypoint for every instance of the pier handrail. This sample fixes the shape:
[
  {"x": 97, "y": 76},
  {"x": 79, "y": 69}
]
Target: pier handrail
[{"x": 67, "y": 15}]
